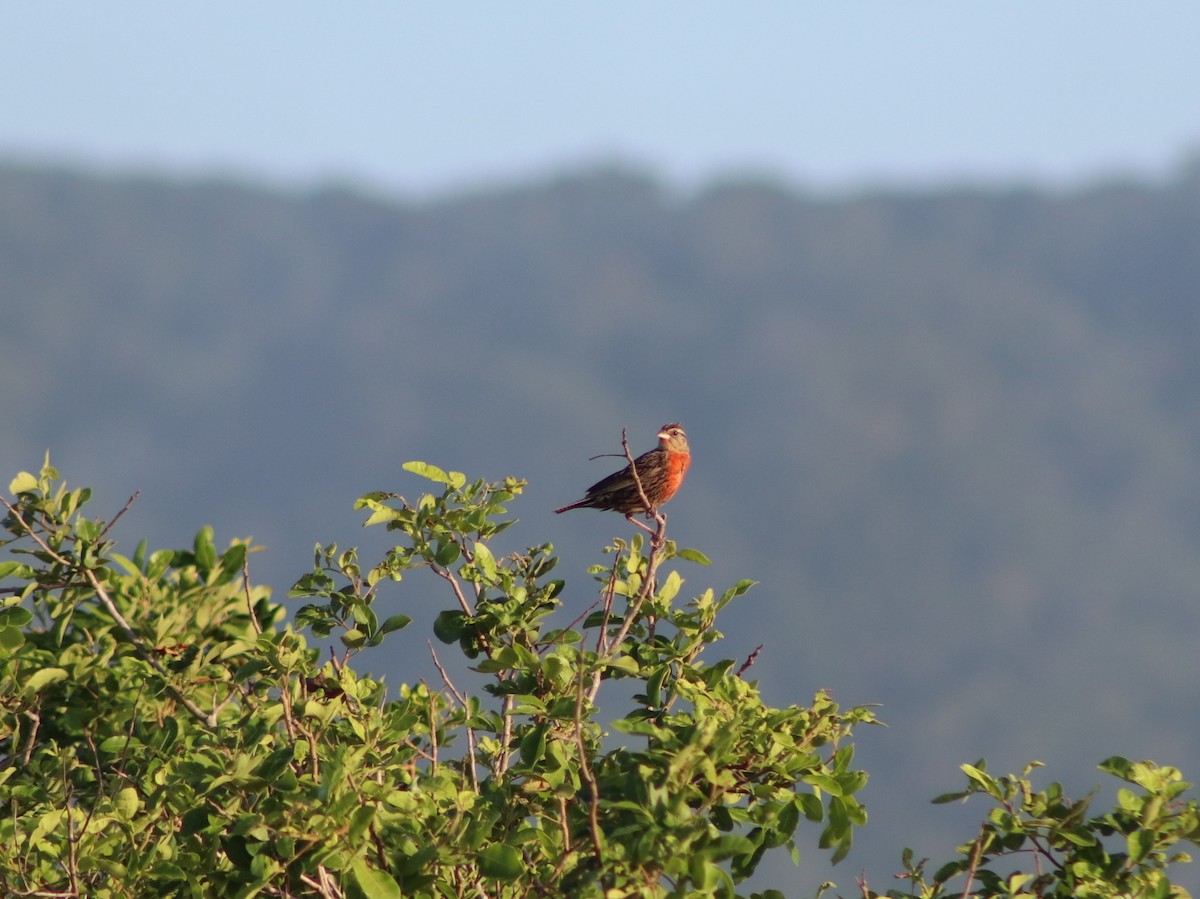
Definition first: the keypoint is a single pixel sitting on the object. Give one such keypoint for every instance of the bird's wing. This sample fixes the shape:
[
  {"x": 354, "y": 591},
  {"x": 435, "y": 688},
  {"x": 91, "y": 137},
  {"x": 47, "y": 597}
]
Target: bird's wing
[{"x": 618, "y": 480}]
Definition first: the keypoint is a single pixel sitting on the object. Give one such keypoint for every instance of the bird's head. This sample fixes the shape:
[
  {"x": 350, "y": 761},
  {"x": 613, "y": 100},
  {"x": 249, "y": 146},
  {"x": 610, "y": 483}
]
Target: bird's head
[{"x": 672, "y": 438}]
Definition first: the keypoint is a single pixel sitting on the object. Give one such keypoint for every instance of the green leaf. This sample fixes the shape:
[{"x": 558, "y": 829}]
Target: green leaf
[
  {"x": 394, "y": 623},
  {"x": 15, "y": 617},
  {"x": 206, "y": 552},
  {"x": 372, "y": 883},
  {"x": 824, "y": 782},
  {"x": 449, "y": 625},
  {"x": 425, "y": 470},
  {"x": 1080, "y": 837},
  {"x": 500, "y": 861},
  {"x": 943, "y": 798},
  {"x": 11, "y": 639},
  {"x": 1139, "y": 843},
  {"x": 788, "y": 820},
  {"x": 737, "y": 589},
  {"x": 950, "y": 869},
  {"x": 380, "y": 514},
  {"x": 693, "y": 555},
  {"x": 126, "y": 802},
  {"x": 233, "y": 559},
  {"x": 668, "y": 590},
  {"x": 119, "y": 743},
  {"x": 627, "y": 664},
  {"x": 18, "y": 569},
  {"x": 86, "y": 529},
  {"x": 1117, "y": 766},
  {"x": 194, "y": 820},
  {"x": 485, "y": 561},
  {"x": 23, "y": 483},
  {"x": 811, "y": 805},
  {"x": 988, "y": 783},
  {"x": 365, "y": 616},
  {"x": 447, "y": 553},
  {"x": 275, "y": 763},
  {"x": 39, "y": 680},
  {"x": 533, "y": 745},
  {"x": 249, "y": 670},
  {"x": 362, "y": 818}
]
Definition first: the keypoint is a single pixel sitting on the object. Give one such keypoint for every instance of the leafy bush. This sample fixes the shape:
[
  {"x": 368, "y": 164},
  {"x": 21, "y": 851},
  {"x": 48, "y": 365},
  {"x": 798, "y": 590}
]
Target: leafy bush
[
  {"x": 1039, "y": 843},
  {"x": 165, "y": 731}
]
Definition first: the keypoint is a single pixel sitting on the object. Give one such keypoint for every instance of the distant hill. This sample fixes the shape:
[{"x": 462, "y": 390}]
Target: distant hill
[{"x": 953, "y": 433}]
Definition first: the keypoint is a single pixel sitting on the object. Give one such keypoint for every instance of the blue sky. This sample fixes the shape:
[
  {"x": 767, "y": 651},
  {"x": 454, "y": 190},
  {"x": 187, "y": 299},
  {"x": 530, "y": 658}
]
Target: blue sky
[{"x": 422, "y": 98}]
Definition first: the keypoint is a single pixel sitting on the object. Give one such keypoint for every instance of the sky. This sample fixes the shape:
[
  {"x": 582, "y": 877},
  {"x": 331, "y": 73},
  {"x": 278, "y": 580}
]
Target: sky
[{"x": 423, "y": 98}]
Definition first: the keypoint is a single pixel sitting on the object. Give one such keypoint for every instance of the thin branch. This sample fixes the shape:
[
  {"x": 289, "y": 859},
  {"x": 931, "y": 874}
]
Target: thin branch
[
  {"x": 31, "y": 739},
  {"x": 505, "y": 756},
  {"x": 648, "y": 585},
  {"x": 125, "y": 508},
  {"x": 456, "y": 586},
  {"x": 973, "y": 864},
  {"x": 610, "y": 591},
  {"x": 462, "y": 700},
  {"x": 750, "y": 660},
  {"x": 585, "y": 771},
  {"x": 73, "y": 835},
  {"x": 289, "y": 718},
  {"x": 602, "y": 637},
  {"x": 249, "y": 600},
  {"x": 433, "y": 734},
  {"x": 637, "y": 478}
]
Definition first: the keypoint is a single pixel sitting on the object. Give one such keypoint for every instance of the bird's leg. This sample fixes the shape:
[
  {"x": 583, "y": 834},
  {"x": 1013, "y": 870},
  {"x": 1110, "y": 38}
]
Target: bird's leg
[{"x": 645, "y": 527}]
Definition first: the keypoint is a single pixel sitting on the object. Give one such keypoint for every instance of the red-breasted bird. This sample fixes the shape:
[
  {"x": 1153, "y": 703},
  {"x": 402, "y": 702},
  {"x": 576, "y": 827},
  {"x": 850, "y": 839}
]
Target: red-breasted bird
[{"x": 659, "y": 471}]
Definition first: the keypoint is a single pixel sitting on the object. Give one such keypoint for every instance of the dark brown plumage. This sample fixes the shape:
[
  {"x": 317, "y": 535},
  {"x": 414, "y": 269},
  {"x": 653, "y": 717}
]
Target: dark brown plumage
[{"x": 660, "y": 472}]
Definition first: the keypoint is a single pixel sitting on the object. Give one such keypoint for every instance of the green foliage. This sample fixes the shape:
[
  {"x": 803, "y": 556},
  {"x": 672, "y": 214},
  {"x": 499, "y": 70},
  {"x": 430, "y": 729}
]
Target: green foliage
[
  {"x": 164, "y": 731},
  {"x": 1039, "y": 843}
]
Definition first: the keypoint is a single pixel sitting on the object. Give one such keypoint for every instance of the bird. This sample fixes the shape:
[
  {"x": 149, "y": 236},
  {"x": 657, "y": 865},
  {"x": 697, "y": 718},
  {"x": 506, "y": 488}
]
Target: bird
[{"x": 659, "y": 473}]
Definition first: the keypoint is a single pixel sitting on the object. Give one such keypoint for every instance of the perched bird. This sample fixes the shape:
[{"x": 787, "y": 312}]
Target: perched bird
[{"x": 659, "y": 472}]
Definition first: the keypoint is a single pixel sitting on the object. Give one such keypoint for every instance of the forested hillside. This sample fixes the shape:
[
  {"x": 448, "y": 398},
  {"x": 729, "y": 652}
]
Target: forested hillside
[{"x": 953, "y": 433}]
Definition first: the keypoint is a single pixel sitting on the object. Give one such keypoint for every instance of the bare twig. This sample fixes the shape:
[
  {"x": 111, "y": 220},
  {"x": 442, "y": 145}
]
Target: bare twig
[
  {"x": 610, "y": 591},
  {"x": 456, "y": 586},
  {"x": 462, "y": 700},
  {"x": 602, "y": 638},
  {"x": 125, "y": 508},
  {"x": 289, "y": 718},
  {"x": 73, "y": 833},
  {"x": 750, "y": 660},
  {"x": 861, "y": 882},
  {"x": 647, "y": 588},
  {"x": 973, "y": 864},
  {"x": 585, "y": 771},
  {"x": 433, "y": 735},
  {"x": 322, "y": 883},
  {"x": 637, "y": 480},
  {"x": 502, "y": 760},
  {"x": 249, "y": 600},
  {"x": 31, "y": 740}
]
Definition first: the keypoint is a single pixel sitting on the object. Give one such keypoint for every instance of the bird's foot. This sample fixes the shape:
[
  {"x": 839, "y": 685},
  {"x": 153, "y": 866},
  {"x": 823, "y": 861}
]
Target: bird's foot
[{"x": 657, "y": 535}]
